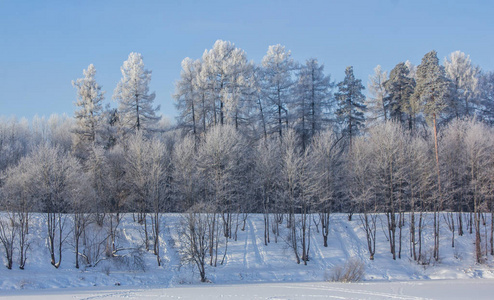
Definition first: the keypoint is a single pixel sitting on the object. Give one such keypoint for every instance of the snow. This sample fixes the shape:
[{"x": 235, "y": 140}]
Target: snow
[
  {"x": 253, "y": 270},
  {"x": 409, "y": 290}
]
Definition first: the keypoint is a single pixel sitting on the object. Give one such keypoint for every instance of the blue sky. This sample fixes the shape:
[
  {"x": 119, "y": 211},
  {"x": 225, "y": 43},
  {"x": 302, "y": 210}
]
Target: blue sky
[{"x": 44, "y": 45}]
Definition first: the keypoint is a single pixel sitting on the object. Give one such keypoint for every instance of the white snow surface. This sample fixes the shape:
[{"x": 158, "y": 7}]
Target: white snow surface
[{"x": 254, "y": 271}]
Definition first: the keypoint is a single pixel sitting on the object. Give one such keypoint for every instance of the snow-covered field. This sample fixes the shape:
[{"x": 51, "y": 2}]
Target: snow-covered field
[
  {"x": 253, "y": 270},
  {"x": 408, "y": 290}
]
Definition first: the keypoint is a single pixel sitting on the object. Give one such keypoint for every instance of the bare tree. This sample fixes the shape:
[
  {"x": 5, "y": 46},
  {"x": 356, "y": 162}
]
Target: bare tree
[
  {"x": 56, "y": 177},
  {"x": 267, "y": 168},
  {"x": 387, "y": 142},
  {"x": 220, "y": 163},
  {"x": 195, "y": 231},
  {"x": 362, "y": 190},
  {"x": 328, "y": 163}
]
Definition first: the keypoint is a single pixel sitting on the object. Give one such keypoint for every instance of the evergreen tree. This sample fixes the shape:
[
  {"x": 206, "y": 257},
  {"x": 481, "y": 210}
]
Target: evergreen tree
[
  {"x": 486, "y": 90},
  {"x": 400, "y": 89},
  {"x": 351, "y": 105},
  {"x": 432, "y": 90}
]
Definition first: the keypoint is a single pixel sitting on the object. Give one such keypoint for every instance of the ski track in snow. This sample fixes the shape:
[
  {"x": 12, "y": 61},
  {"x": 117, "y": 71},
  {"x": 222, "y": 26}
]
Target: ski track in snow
[
  {"x": 354, "y": 291},
  {"x": 317, "y": 253},
  {"x": 337, "y": 229},
  {"x": 252, "y": 232}
]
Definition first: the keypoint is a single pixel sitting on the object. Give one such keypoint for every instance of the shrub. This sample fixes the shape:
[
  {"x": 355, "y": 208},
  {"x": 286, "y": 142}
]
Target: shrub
[{"x": 352, "y": 271}]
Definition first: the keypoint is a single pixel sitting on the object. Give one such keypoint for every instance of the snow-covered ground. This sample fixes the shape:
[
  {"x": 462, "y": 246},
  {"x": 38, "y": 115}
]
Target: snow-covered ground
[
  {"x": 408, "y": 290},
  {"x": 252, "y": 269}
]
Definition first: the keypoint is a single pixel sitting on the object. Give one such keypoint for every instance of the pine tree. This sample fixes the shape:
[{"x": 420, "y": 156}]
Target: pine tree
[
  {"x": 400, "y": 89},
  {"x": 486, "y": 90},
  {"x": 132, "y": 92},
  {"x": 351, "y": 105},
  {"x": 432, "y": 90}
]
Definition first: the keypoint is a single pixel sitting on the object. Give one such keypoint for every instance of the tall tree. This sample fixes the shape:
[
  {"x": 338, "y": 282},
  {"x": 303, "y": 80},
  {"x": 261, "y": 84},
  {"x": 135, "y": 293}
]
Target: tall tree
[
  {"x": 351, "y": 105},
  {"x": 267, "y": 169},
  {"x": 132, "y": 92},
  {"x": 221, "y": 163},
  {"x": 186, "y": 96},
  {"x": 312, "y": 101},
  {"x": 229, "y": 76},
  {"x": 90, "y": 113},
  {"x": 146, "y": 171},
  {"x": 464, "y": 88},
  {"x": 486, "y": 90},
  {"x": 277, "y": 82},
  {"x": 327, "y": 157},
  {"x": 432, "y": 90},
  {"x": 377, "y": 93},
  {"x": 400, "y": 89}
]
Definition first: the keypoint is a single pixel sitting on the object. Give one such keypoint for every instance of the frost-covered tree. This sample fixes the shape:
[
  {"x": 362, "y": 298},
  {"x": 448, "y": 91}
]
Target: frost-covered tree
[
  {"x": 222, "y": 165},
  {"x": 351, "y": 105},
  {"x": 229, "y": 76},
  {"x": 312, "y": 102},
  {"x": 327, "y": 158},
  {"x": 464, "y": 77},
  {"x": 377, "y": 109},
  {"x": 361, "y": 190},
  {"x": 467, "y": 166},
  {"x": 387, "y": 143},
  {"x": 277, "y": 82},
  {"x": 57, "y": 130},
  {"x": 195, "y": 236},
  {"x": 15, "y": 140},
  {"x": 432, "y": 92},
  {"x": 216, "y": 90},
  {"x": 400, "y": 89},
  {"x": 412, "y": 69},
  {"x": 57, "y": 181},
  {"x": 136, "y": 106},
  {"x": 267, "y": 167},
  {"x": 478, "y": 145},
  {"x": 187, "y": 96},
  {"x": 293, "y": 171},
  {"x": 486, "y": 90},
  {"x": 418, "y": 190},
  {"x": 146, "y": 168},
  {"x": 90, "y": 111},
  {"x": 186, "y": 182}
]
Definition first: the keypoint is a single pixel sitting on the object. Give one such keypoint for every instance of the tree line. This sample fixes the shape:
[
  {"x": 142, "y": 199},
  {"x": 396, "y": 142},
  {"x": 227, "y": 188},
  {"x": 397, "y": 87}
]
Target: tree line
[{"x": 279, "y": 139}]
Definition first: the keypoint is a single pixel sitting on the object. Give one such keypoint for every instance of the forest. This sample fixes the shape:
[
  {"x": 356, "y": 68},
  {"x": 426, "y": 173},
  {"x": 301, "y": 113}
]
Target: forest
[{"x": 280, "y": 139}]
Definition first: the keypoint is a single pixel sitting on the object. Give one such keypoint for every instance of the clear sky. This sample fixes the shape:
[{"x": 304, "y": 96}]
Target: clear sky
[{"x": 44, "y": 45}]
